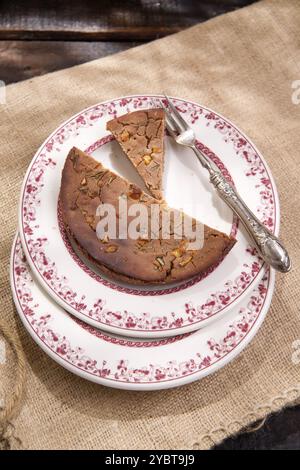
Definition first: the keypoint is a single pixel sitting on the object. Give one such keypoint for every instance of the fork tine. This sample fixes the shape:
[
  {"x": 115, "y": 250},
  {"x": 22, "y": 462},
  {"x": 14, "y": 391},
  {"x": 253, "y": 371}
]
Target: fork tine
[
  {"x": 170, "y": 128},
  {"x": 179, "y": 119},
  {"x": 172, "y": 125}
]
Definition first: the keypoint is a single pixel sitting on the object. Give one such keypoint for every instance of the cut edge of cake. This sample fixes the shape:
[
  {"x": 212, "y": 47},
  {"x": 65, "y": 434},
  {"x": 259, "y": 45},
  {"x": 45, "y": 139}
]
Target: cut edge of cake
[
  {"x": 79, "y": 228},
  {"x": 141, "y": 137}
]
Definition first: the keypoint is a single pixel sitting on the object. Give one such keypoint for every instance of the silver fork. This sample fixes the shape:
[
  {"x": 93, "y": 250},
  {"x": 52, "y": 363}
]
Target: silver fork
[{"x": 268, "y": 245}]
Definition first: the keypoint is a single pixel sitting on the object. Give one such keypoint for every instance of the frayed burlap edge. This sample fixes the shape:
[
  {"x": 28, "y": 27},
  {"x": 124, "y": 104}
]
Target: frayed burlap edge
[{"x": 278, "y": 403}]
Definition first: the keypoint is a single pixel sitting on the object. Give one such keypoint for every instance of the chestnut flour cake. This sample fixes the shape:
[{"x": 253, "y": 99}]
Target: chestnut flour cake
[
  {"x": 85, "y": 185},
  {"x": 141, "y": 136}
]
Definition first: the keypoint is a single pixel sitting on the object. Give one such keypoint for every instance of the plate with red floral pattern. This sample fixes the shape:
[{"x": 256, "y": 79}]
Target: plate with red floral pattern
[
  {"x": 128, "y": 363},
  {"x": 144, "y": 311}
]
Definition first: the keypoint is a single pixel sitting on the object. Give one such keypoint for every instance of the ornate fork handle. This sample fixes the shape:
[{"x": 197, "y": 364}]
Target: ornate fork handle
[{"x": 270, "y": 248}]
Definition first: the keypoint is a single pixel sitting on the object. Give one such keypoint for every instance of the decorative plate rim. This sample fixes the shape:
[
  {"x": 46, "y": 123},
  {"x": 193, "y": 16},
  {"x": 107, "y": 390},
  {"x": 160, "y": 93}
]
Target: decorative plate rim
[
  {"x": 161, "y": 382},
  {"x": 170, "y": 330}
]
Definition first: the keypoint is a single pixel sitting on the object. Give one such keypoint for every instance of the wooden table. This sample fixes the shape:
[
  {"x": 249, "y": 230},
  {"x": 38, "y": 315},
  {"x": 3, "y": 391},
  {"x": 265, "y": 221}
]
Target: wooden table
[{"x": 39, "y": 37}]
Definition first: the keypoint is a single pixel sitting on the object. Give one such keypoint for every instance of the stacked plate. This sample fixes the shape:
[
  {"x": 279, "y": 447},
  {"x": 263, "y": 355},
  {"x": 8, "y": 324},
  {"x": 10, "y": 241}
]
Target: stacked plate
[{"x": 136, "y": 337}]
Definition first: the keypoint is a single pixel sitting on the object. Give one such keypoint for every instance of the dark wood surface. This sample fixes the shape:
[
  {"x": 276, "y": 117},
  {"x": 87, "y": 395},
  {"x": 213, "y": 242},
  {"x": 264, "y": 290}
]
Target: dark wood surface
[
  {"x": 107, "y": 19},
  {"x": 31, "y": 31},
  {"x": 20, "y": 60},
  {"x": 39, "y": 37}
]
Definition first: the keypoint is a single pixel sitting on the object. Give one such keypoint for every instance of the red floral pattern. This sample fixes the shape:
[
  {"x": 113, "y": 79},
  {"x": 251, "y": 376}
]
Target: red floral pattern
[
  {"x": 122, "y": 370},
  {"x": 125, "y": 319},
  {"x": 128, "y": 342}
]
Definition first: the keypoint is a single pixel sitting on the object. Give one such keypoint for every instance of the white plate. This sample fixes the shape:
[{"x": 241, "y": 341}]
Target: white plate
[
  {"x": 130, "y": 364},
  {"x": 145, "y": 312}
]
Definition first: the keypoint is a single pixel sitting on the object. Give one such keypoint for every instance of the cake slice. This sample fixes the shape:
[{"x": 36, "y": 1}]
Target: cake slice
[
  {"x": 85, "y": 185},
  {"x": 141, "y": 136}
]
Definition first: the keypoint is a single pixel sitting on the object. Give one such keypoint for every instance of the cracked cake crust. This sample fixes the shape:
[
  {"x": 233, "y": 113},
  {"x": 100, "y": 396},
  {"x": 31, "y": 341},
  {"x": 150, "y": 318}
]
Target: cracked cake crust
[
  {"x": 85, "y": 184},
  {"x": 141, "y": 136}
]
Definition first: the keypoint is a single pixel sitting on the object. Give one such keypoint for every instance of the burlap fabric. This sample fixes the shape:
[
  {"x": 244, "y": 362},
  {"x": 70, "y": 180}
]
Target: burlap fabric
[{"x": 242, "y": 64}]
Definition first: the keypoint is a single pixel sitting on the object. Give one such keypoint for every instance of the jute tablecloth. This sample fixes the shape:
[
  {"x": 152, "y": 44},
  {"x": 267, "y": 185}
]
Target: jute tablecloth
[{"x": 242, "y": 64}]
